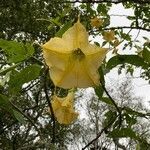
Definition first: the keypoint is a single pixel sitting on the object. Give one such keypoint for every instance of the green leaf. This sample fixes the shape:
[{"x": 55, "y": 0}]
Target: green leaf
[
  {"x": 16, "y": 51},
  {"x": 55, "y": 21},
  {"x": 101, "y": 73},
  {"x": 131, "y": 120},
  {"x": 4, "y": 102},
  {"x": 110, "y": 117},
  {"x": 131, "y": 17},
  {"x": 3, "y": 72},
  {"x": 102, "y": 9},
  {"x": 99, "y": 91},
  {"x": 123, "y": 59},
  {"x": 63, "y": 29},
  {"x": 144, "y": 146},
  {"x": 146, "y": 55},
  {"x": 19, "y": 116},
  {"x": 133, "y": 112},
  {"x": 106, "y": 100},
  {"x": 124, "y": 132},
  {"x": 24, "y": 76}
]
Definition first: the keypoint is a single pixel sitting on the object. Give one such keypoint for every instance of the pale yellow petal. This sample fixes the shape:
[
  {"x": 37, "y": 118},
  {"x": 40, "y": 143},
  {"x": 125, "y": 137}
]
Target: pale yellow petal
[
  {"x": 55, "y": 54},
  {"x": 56, "y": 103},
  {"x": 56, "y": 75},
  {"x": 68, "y": 101},
  {"x": 76, "y": 36},
  {"x": 58, "y": 45},
  {"x": 66, "y": 116},
  {"x": 76, "y": 76},
  {"x": 63, "y": 109},
  {"x": 93, "y": 62}
]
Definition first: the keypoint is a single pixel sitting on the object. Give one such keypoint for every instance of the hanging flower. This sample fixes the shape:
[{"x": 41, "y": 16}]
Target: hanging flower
[
  {"x": 109, "y": 36},
  {"x": 63, "y": 109},
  {"x": 96, "y": 22},
  {"x": 73, "y": 62}
]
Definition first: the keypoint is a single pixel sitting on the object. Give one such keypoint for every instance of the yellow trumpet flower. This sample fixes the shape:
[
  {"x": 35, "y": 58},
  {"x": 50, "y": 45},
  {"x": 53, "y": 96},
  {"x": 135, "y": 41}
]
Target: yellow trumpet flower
[
  {"x": 96, "y": 22},
  {"x": 109, "y": 36},
  {"x": 63, "y": 109},
  {"x": 72, "y": 60}
]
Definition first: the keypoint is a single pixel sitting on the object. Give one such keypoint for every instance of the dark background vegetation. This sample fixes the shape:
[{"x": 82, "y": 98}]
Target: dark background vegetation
[{"x": 26, "y": 88}]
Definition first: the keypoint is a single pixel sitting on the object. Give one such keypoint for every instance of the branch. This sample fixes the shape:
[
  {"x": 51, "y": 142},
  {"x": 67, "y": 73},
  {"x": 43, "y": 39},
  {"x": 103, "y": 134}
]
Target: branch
[
  {"x": 49, "y": 104},
  {"x": 114, "y": 103},
  {"x": 108, "y": 1},
  {"x": 27, "y": 117},
  {"x": 99, "y": 134},
  {"x": 7, "y": 127},
  {"x": 116, "y": 141},
  {"x": 127, "y": 27}
]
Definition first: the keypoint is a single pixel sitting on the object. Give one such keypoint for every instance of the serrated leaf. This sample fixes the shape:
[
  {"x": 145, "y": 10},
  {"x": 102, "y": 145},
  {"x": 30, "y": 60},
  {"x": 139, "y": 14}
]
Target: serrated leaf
[
  {"x": 123, "y": 59},
  {"x": 24, "y": 76},
  {"x": 124, "y": 132},
  {"x": 16, "y": 51}
]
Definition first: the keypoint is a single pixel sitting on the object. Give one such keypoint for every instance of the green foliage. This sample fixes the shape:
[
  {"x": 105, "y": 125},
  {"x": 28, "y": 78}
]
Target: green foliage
[
  {"x": 63, "y": 29},
  {"x": 131, "y": 120},
  {"x": 26, "y": 75},
  {"x": 4, "y": 71},
  {"x": 99, "y": 91},
  {"x": 146, "y": 55},
  {"x": 126, "y": 59},
  {"x": 111, "y": 117},
  {"x": 27, "y": 24},
  {"x": 5, "y": 104},
  {"x": 19, "y": 116},
  {"x": 123, "y": 132},
  {"x": 106, "y": 100},
  {"x": 16, "y": 51}
]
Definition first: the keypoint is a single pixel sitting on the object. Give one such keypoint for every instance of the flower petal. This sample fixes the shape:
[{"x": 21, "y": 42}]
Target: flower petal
[
  {"x": 55, "y": 53},
  {"x": 94, "y": 61},
  {"x": 76, "y": 76},
  {"x": 72, "y": 60},
  {"x": 63, "y": 109},
  {"x": 66, "y": 116},
  {"x": 76, "y": 36}
]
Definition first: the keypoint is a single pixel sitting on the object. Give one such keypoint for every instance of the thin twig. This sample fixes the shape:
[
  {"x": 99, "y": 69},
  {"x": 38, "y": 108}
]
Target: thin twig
[
  {"x": 99, "y": 134},
  {"x": 8, "y": 126},
  {"x": 114, "y": 103},
  {"x": 49, "y": 104},
  {"x": 116, "y": 141},
  {"x": 27, "y": 117},
  {"x": 106, "y": 1},
  {"x": 127, "y": 27}
]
